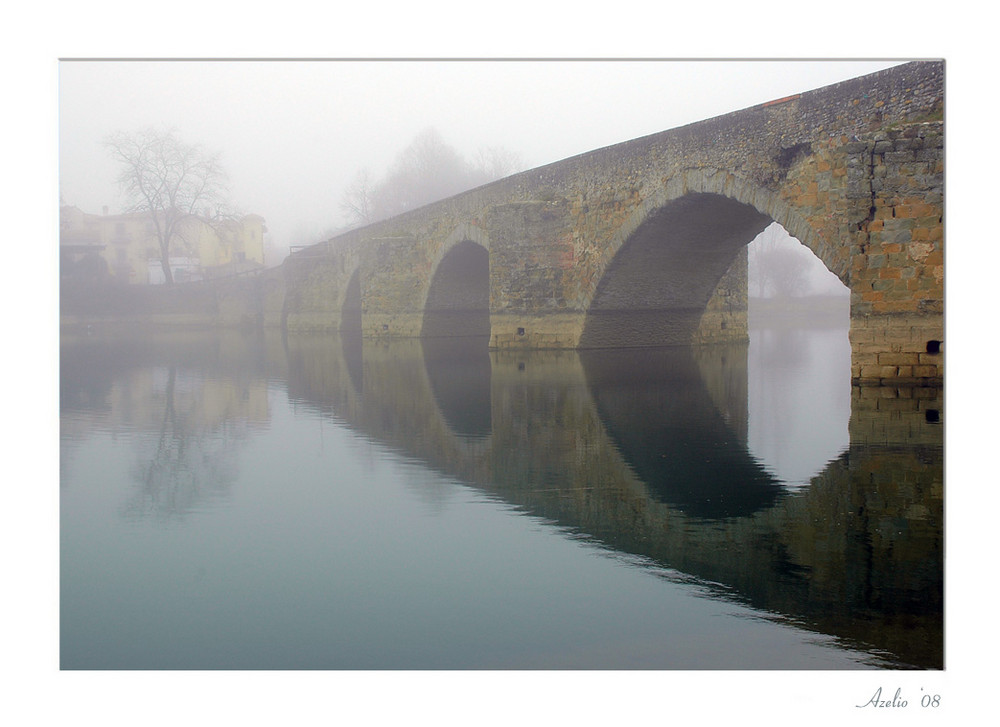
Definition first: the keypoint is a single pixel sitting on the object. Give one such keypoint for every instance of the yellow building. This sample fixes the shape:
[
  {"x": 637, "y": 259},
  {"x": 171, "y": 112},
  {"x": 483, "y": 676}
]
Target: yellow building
[{"x": 125, "y": 247}]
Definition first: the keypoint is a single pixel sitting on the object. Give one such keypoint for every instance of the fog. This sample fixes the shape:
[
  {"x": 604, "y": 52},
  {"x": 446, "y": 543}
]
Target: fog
[
  {"x": 292, "y": 145},
  {"x": 780, "y": 266},
  {"x": 293, "y": 134}
]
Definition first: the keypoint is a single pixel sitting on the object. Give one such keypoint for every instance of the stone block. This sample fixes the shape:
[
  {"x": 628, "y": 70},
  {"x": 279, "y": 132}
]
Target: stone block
[
  {"x": 872, "y": 372},
  {"x": 860, "y": 334},
  {"x": 868, "y": 350},
  {"x": 898, "y": 359},
  {"x": 898, "y": 406},
  {"x": 899, "y": 332},
  {"x": 916, "y": 210}
]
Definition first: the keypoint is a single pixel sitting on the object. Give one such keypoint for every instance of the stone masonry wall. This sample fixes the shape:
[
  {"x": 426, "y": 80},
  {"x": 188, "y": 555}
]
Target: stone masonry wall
[{"x": 897, "y": 290}]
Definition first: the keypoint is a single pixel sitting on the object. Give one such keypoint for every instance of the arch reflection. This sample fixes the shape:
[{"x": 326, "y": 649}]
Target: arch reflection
[
  {"x": 459, "y": 373},
  {"x": 658, "y": 410}
]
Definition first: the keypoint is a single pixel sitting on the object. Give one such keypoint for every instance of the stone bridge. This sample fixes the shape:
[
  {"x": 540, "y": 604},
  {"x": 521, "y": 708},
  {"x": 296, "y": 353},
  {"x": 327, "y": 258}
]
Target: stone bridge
[{"x": 644, "y": 243}]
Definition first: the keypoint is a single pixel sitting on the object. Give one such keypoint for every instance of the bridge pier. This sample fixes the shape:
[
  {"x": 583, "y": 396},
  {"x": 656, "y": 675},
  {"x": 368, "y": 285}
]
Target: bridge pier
[
  {"x": 539, "y": 331},
  {"x": 897, "y": 349},
  {"x": 897, "y": 261}
]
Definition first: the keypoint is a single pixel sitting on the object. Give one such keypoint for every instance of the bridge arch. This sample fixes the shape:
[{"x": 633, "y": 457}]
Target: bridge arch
[
  {"x": 456, "y": 302},
  {"x": 766, "y": 201},
  {"x": 351, "y": 329},
  {"x": 727, "y": 184},
  {"x": 349, "y": 304},
  {"x": 665, "y": 262}
]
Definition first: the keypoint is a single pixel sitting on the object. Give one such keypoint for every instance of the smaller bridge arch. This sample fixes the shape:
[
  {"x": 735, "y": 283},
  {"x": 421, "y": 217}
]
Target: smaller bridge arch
[
  {"x": 456, "y": 302},
  {"x": 350, "y": 303}
]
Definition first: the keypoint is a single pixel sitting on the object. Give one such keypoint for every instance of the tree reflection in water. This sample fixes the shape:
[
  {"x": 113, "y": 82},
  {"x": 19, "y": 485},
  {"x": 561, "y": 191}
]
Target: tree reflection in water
[{"x": 188, "y": 468}]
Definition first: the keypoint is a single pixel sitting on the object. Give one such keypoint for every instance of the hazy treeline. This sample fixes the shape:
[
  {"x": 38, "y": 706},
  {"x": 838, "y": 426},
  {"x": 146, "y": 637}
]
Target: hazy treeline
[{"x": 425, "y": 171}]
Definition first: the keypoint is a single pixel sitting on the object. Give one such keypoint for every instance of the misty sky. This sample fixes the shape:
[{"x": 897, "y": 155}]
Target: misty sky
[{"x": 293, "y": 134}]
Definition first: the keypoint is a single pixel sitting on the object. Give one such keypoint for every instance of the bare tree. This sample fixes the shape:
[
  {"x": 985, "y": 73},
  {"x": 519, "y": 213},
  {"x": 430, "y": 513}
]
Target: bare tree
[
  {"x": 496, "y": 162},
  {"x": 169, "y": 180},
  {"x": 358, "y": 202}
]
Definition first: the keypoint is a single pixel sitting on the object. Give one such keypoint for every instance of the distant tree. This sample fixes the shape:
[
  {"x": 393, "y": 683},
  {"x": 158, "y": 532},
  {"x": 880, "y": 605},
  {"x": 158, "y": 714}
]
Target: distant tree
[
  {"x": 425, "y": 171},
  {"x": 778, "y": 267},
  {"x": 170, "y": 180},
  {"x": 496, "y": 162},
  {"x": 358, "y": 202}
]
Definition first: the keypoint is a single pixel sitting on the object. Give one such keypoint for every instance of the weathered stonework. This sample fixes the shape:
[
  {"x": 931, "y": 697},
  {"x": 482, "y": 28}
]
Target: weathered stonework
[
  {"x": 725, "y": 315},
  {"x": 649, "y": 236}
]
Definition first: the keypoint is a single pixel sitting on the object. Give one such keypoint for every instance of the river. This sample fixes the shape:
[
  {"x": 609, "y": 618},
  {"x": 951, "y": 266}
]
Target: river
[{"x": 256, "y": 501}]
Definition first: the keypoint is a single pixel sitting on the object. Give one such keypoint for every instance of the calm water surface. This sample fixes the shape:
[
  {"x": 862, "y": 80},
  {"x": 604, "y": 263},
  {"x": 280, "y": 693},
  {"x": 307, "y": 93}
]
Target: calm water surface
[{"x": 235, "y": 501}]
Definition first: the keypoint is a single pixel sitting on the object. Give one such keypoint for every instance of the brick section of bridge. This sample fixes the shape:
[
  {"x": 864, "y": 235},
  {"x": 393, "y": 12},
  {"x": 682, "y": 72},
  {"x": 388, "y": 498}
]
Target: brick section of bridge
[{"x": 855, "y": 171}]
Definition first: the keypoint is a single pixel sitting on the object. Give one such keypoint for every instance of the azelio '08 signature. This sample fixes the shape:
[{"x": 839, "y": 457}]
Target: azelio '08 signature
[{"x": 898, "y": 701}]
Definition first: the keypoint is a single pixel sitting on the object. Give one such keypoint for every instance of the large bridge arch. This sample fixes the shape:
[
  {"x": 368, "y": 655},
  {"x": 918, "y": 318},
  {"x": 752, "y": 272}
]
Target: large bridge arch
[
  {"x": 664, "y": 264},
  {"x": 765, "y": 200}
]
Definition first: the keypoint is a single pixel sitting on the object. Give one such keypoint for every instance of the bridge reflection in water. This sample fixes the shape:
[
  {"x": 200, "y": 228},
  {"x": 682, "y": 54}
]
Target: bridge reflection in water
[
  {"x": 642, "y": 453},
  {"x": 646, "y": 453}
]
